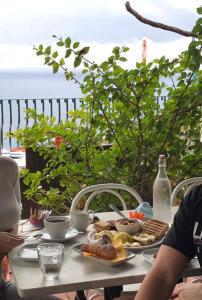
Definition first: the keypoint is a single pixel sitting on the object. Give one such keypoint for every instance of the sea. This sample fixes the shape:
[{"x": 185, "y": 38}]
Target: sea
[
  {"x": 33, "y": 84},
  {"x": 36, "y": 83}
]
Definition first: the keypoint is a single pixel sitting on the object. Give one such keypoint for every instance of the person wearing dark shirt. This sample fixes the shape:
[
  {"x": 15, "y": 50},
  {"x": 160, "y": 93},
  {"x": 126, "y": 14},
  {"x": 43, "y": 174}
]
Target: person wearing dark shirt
[{"x": 182, "y": 243}]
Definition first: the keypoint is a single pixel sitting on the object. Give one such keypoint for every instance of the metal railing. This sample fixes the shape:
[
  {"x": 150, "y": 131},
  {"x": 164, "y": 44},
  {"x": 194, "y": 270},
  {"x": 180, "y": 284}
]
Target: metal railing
[{"x": 12, "y": 113}]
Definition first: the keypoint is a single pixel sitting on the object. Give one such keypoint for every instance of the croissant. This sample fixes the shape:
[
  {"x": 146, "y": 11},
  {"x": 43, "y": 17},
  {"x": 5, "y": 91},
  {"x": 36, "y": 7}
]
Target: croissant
[{"x": 107, "y": 251}]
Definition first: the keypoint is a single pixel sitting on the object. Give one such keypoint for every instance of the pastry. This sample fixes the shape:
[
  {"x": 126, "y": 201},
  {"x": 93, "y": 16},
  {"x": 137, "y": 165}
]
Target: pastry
[{"x": 106, "y": 251}]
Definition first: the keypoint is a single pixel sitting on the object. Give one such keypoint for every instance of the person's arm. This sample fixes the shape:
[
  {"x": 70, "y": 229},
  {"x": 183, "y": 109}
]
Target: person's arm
[
  {"x": 161, "y": 279},
  {"x": 8, "y": 241}
]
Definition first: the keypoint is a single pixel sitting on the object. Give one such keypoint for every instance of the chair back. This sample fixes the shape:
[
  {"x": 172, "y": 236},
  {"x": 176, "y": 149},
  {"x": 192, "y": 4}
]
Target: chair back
[
  {"x": 188, "y": 184},
  {"x": 105, "y": 188}
]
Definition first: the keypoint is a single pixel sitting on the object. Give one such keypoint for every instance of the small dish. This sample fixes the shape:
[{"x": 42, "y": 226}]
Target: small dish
[
  {"x": 69, "y": 235},
  {"x": 129, "y": 255},
  {"x": 127, "y": 226},
  {"x": 28, "y": 252}
]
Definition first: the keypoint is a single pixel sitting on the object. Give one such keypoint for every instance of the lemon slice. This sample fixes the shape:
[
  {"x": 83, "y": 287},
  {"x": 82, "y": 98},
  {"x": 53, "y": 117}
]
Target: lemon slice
[{"x": 124, "y": 237}]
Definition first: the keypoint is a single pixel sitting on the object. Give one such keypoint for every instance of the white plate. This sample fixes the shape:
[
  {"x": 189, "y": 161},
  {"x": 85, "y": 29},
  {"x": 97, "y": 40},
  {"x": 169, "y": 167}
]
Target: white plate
[
  {"x": 129, "y": 255},
  {"x": 69, "y": 235},
  {"x": 28, "y": 252},
  {"x": 149, "y": 254},
  {"x": 141, "y": 248},
  {"x": 156, "y": 243}
]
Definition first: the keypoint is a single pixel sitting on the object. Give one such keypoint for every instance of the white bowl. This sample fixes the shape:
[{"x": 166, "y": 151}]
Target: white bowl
[{"x": 130, "y": 228}]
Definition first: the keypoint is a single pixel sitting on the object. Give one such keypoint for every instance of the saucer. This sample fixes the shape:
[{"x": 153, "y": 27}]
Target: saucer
[
  {"x": 69, "y": 235},
  {"x": 28, "y": 252}
]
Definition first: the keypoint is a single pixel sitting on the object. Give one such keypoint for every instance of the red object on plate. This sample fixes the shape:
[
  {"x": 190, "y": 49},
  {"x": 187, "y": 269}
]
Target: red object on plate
[{"x": 135, "y": 215}]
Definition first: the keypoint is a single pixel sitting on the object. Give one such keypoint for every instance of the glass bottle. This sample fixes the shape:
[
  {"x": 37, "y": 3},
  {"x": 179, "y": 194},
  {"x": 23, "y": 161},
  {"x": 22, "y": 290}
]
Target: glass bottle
[{"x": 162, "y": 193}]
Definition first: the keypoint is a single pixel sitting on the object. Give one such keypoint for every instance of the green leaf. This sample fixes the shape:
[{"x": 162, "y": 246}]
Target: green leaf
[
  {"x": 60, "y": 43},
  {"x": 84, "y": 51},
  {"x": 62, "y": 61},
  {"x": 40, "y": 47},
  {"x": 55, "y": 67},
  {"x": 48, "y": 50},
  {"x": 104, "y": 66},
  {"x": 199, "y": 10},
  {"x": 125, "y": 49},
  {"x": 55, "y": 54},
  {"x": 38, "y": 53},
  {"x": 67, "y": 42},
  {"x": 68, "y": 53},
  {"x": 47, "y": 60},
  {"x": 75, "y": 45},
  {"x": 116, "y": 50},
  {"x": 77, "y": 61},
  {"x": 123, "y": 59}
]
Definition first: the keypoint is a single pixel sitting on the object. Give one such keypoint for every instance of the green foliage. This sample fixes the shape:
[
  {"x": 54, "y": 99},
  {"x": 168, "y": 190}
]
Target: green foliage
[{"x": 119, "y": 107}]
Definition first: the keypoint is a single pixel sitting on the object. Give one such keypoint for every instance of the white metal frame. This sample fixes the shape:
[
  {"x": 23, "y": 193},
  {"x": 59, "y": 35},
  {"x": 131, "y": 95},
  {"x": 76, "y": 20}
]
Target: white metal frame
[
  {"x": 188, "y": 183},
  {"x": 105, "y": 188}
]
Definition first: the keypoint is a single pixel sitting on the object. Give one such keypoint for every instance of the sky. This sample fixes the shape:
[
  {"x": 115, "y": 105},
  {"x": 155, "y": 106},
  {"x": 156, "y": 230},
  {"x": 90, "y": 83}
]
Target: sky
[{"x": 101, "y": 24}]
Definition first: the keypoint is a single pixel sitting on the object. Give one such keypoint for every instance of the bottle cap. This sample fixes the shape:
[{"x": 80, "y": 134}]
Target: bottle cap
[{"x": 162, "y": 159}]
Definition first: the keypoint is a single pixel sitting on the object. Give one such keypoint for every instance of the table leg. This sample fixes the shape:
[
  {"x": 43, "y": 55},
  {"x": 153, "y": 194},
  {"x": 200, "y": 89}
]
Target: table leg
[
  {"x": 80, "y": 295},
  {"x": 112, "y": 292}
]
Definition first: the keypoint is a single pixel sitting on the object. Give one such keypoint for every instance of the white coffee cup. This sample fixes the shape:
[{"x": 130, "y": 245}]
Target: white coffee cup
[
  {"x": 80, "y": 219},
  {"x": 57, "y": 226}
]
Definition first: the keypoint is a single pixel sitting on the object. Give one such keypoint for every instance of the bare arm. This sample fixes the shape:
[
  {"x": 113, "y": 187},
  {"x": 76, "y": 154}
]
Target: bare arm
[{"x": 160, "y": 281}]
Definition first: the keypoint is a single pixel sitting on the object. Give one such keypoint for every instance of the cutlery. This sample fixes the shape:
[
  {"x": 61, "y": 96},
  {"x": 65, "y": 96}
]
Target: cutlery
[
  {"x": 113, "y": 207},
  {"x": 33, "y": 238}
]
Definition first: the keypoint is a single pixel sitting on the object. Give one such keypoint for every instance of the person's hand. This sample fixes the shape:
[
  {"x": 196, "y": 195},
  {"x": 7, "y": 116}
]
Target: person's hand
[
  {"x": 187, "y": 291},
  {"x": 8, "y": 241}
]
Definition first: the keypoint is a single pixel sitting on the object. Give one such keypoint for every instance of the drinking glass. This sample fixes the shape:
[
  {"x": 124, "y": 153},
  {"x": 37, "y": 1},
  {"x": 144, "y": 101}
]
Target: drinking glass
[{"x": 50, "y": 259}]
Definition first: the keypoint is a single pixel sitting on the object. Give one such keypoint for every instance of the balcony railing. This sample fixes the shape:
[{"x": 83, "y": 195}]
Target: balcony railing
[{"x": 12, "y": 113}]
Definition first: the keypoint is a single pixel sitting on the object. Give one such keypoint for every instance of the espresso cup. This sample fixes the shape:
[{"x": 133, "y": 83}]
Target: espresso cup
[
  {"x": 80, "y": 219},
  {"x": 57, "y": 226}
]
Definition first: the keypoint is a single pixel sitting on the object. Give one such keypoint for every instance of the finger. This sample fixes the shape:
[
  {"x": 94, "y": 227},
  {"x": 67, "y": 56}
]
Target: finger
[{"x": 16, "y": 237}]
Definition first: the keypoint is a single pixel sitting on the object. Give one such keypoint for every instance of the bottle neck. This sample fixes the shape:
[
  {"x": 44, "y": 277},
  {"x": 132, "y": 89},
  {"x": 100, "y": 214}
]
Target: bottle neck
[{"x": 162, "y": 171}]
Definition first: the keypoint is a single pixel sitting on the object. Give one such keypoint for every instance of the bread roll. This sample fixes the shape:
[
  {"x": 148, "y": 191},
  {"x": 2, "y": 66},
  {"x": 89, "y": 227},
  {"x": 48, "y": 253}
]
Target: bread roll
[{"x": 107, "y": 251}]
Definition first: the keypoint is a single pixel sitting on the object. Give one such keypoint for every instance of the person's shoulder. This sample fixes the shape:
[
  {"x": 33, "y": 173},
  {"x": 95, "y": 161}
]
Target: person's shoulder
[
  {"x": 194, "y": 196},
  {"x": 8, "y": 162}
]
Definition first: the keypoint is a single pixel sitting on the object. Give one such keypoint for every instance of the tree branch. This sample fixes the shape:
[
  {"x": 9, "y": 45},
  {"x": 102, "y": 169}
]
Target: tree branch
[{"x": 157, "y": 24}]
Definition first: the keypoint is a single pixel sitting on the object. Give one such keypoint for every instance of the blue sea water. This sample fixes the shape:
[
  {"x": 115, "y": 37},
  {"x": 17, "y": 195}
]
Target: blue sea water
[{"x": 38, "y": 83}]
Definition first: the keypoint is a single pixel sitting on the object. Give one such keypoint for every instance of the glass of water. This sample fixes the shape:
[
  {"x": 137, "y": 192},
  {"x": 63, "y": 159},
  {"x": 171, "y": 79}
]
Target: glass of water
[{"x": 50, "y": 259}]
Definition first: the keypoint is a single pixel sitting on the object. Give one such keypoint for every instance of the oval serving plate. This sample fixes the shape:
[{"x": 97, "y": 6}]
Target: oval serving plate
[
  {"x": 156, "y": 243},
  {"x": 129, "y": 255},
  {"x": 149, "y": 246},
  {"x": 28, "y": 252}
]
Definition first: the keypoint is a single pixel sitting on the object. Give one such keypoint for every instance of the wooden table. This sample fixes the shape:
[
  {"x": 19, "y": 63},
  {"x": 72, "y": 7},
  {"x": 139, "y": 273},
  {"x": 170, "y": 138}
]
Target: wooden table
[{"x": 82, "y": 273}]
